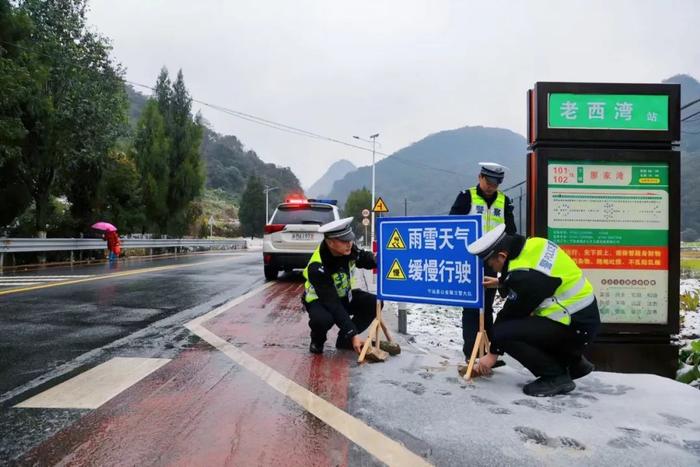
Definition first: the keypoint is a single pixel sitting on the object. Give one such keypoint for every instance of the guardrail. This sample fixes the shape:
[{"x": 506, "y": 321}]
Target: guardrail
[{"x": 26, "y": 245}]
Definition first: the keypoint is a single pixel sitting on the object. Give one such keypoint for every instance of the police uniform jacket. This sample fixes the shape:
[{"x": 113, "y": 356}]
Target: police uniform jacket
[
  {"x": 463, "y": 204},
  {"x": 526, "y": 289},
  {"x": 321, "y": 277}
]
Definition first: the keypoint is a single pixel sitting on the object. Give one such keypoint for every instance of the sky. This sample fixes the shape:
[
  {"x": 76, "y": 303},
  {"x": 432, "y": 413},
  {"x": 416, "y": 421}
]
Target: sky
[{"x": 402, "y": 68}]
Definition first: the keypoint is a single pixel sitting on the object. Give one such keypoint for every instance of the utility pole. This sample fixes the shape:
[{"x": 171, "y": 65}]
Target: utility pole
[
  {"x": 374, "y": 153},
  {"x": 267, "y": 191}
]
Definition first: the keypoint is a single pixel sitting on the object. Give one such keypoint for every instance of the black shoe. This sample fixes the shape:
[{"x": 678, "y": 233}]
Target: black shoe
[
  {"x": 315, "y": 348},
  {"x": 546, "y": 386},
  {"x": 498, "y": 364},
  {"x": 581, "y": 368}
]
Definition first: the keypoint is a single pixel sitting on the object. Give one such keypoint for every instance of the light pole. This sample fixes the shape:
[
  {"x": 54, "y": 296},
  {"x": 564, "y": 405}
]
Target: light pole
[
  {"x": 374, "y": 144},
  {"x": 267, "y": 191}
]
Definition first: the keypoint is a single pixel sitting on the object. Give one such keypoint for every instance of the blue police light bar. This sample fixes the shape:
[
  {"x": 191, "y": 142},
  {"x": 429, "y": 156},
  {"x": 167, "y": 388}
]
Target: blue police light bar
[{"x": 334, "y": 202}]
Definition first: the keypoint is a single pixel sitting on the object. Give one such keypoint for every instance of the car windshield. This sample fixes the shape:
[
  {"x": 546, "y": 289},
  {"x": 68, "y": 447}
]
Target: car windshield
[{"x": 303, "y": 215}]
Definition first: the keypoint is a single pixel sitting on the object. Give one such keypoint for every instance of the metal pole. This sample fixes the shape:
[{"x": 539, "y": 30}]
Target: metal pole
[
  {"x": 267, "y": 204},
  {"x": 520, "y": 212},
  {"x": 403, "y": 320},
  {"x": 374, "y": 142},
  {"x": 405, "y": 206}
]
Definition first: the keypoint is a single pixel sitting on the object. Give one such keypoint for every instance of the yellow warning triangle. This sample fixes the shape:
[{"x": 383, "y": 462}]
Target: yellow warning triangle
[
  {"x": 395, "y": 241},
  {"x": 396, "y": 272},
  {"x": 380, "y": 206}
]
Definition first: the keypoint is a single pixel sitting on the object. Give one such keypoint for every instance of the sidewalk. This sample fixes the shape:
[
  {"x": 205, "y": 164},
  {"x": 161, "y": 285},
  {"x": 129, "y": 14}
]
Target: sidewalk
[{"x": 609, "y": 419}]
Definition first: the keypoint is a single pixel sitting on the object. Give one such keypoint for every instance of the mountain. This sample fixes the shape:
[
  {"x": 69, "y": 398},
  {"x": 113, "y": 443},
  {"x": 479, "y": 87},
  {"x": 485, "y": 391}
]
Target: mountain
[
  {"x": 690, "y": 157},
  {"x": 430, "y": 173},
  {"x": 228, "y": 164},
  {"x": 323, "y": 185}
]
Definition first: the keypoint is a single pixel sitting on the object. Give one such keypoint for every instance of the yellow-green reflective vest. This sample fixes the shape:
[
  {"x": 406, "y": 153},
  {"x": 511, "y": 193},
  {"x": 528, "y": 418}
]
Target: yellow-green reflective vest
[
  {"x": 574, "y": 293},
  {"x": 491, "y": 217},
  {"x": 343, "y": 283}
]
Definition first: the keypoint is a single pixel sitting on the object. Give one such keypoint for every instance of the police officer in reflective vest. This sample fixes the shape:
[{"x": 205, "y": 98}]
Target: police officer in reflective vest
[
  {"x": 550, "y": 314},
  {"x": 330, "y": 293},
  {"x": 495, "y": 208}
]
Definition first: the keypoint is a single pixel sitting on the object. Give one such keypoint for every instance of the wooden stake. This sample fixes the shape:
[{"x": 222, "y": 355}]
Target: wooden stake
[{"x": 481, "y": 346}]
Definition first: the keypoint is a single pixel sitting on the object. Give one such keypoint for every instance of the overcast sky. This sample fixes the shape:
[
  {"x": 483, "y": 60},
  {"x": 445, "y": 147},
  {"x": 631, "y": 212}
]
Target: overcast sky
[{"x": 404, "y": 68}]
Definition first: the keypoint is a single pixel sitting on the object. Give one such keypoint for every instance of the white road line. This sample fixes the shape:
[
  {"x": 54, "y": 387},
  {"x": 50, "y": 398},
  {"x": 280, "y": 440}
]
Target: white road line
[
  {"x": 17, "y": 283},
  {"x": 96, "y": 386},
  {"x": 371, "y": 440}
]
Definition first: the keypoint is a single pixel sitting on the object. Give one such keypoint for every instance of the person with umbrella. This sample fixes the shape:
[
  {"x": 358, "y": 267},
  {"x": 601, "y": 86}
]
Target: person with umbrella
[{"x": 112, "y": 237}]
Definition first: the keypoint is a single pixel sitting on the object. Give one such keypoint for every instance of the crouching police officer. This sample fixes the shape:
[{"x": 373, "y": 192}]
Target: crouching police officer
[
  {"x": 330, "y": 295},
  {"x": 550, "y": 314}
]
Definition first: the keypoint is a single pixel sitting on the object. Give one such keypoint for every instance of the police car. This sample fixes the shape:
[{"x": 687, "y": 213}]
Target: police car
[{"x": 292, "y": 233}]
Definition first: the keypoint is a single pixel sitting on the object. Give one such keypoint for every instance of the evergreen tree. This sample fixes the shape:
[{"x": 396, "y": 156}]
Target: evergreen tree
[
  {"x": 119, "y": 193},
  {"x": 252, "y": 211},
  {"x": 356, "y": 202},
  {"x": 152, "y": 147}
]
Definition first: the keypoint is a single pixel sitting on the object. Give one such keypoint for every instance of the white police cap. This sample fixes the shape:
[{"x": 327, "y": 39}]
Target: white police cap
[
  {"x": 485, "y": 246},
  {"x": 340, "y": 229},
  {"x": 493, "y": 172}
]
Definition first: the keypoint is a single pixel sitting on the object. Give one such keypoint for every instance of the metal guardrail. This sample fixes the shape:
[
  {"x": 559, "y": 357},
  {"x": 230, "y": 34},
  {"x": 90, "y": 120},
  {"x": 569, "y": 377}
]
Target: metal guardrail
[{"x": 24, "y": 245}]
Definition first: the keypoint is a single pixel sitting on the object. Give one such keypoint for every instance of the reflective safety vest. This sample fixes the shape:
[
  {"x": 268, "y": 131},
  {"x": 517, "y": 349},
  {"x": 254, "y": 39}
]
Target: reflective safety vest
[
  {"x": 491, "y": 217},
  {"x": 575, "y": 292},
  {"x": 343, "y": 282}
]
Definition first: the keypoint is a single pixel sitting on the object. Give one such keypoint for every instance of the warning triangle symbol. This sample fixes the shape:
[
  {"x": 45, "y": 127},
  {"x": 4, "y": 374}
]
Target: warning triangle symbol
[
  {"x": 396, "y": 272},
  {"x": 380, "y": 206},
  {"x": 395, "y": 241}
]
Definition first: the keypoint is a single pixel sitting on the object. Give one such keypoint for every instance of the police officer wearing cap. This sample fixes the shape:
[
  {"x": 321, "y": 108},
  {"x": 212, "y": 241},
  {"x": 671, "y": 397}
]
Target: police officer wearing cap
[
  {"x": 550, "y": 314},
  {"x": 495, "y": 209},
  {"x": 330, "y": 293}
]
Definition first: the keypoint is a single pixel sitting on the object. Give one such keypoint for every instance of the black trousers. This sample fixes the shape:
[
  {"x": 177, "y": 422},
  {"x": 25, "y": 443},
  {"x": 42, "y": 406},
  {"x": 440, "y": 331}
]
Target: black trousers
[
  {"x": 543, "y": 346},
  {"x": 362, "y": 308},
  {"x": 470, "y": 322}
]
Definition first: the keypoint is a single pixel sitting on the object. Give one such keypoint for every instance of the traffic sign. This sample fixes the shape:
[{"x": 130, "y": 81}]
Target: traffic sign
[
  {"x": 365, "y": 213},
  {"x": 380, "y": 206},
  {"x": 365, "y": 221},
  {"x": 425, "y": 260}
]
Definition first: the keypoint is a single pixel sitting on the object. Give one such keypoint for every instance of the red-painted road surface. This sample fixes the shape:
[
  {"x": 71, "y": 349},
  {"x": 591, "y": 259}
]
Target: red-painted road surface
[{"x": 203, "y": 409}]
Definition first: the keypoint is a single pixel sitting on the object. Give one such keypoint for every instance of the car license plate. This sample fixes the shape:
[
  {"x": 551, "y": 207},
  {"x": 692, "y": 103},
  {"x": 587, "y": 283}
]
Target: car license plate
[{"x": 302, "y": 236}]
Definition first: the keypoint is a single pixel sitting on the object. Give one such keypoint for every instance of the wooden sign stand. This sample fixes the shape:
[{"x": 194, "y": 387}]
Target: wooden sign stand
[
  {"x": 481, "y": 346},
  {"x": 374, "y": 353}
]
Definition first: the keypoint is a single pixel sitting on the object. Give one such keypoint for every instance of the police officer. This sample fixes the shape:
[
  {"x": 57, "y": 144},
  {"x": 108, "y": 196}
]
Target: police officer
[
  {"x": 495, "y": 208},
  {"x": 550, "y": 314},
  {"x": 330, "y": 294}
]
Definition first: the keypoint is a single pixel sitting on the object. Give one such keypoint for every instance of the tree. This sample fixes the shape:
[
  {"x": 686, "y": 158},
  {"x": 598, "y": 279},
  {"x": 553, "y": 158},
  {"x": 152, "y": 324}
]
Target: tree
[
  {"x": 15, "y": 85},
  {"x": 252, "y": 211},
  {"x": 152, "y": 148},
  {"x": 73, "y": 109},
  {"x": 119, "y": 193},
  {"x": 185, "y": 164},
  {"x": 356, "y": 202}
]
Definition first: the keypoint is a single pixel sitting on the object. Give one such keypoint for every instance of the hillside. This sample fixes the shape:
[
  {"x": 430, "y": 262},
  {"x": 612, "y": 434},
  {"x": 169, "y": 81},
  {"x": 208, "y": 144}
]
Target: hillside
[
  {"x": 335, "y": 172},
  {"x": 430, "y": 172},
  {"x": 228, "y": 164}
]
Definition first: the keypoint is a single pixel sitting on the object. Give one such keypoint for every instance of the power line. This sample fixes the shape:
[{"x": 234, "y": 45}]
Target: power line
[
  {"x": 690, "y": 116},
  {"x": 689, "y": 104}
]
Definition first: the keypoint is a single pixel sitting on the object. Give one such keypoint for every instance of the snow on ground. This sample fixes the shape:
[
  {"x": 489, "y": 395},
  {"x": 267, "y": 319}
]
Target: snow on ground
[{"x": 690, "y": 319}]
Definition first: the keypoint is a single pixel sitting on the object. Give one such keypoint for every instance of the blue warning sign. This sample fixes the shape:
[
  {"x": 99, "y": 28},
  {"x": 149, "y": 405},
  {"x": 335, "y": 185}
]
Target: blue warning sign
[{"x": 425, "y": 260}]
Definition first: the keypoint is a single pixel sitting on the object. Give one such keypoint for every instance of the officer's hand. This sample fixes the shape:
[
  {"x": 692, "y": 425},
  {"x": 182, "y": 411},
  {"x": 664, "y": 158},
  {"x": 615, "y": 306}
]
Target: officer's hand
[
  {"x": 357, "y": 343},
  {"x": 483, "y": 367},
  {"x": 490, "y": 282}
]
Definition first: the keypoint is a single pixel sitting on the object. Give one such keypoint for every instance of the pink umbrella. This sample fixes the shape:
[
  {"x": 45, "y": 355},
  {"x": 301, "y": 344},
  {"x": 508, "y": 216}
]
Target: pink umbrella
[{"x": 104, "y": 226}]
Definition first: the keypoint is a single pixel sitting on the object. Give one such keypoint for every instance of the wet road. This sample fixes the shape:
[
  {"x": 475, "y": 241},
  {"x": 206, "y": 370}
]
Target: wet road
[{"x": 44, "y": 329}]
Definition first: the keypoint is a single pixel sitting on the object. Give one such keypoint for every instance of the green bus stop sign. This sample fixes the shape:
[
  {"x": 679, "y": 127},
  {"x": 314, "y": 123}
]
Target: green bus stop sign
[{"x": 608, "y": 111}]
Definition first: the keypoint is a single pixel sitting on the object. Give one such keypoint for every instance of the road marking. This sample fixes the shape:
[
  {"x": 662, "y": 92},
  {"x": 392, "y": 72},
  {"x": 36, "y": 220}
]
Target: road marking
[
  {"x": 371, "y": 440},
  {"x": 111, "y": 275},
  {"x": 96, "y": 386},
  {"x": 15, "y": 281}
]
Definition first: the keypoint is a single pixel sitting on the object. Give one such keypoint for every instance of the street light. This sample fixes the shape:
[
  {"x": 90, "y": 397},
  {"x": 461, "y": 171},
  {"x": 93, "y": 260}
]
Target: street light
[
  {"x": 267, "y": 190},
  {"x": 374, "y": 143}
]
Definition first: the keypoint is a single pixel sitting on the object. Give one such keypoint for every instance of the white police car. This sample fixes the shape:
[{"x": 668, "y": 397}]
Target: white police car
[{"x": 292, "y": 233}]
